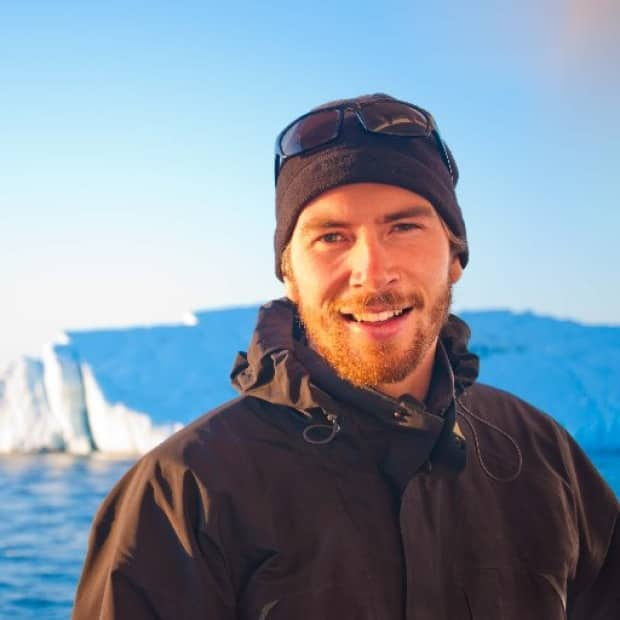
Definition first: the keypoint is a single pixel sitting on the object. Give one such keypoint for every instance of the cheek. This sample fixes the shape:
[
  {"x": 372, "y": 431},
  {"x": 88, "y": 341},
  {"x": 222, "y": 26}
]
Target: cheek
[
  {"x": 316, "y": 281},
  {"x": 429, "y": 271},
  {"x": 321, "y": 292},
  {"x": 427, "y": 252}
]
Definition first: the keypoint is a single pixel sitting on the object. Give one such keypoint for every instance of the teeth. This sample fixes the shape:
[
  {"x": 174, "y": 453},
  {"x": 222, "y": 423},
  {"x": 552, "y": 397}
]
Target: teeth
[{"x": 376, "y": 317}]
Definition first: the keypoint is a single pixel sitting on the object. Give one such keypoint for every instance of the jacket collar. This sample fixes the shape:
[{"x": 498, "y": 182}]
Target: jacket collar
[
  {"x": 280, "y": 368},
  {"x": 405, "y": 435}
]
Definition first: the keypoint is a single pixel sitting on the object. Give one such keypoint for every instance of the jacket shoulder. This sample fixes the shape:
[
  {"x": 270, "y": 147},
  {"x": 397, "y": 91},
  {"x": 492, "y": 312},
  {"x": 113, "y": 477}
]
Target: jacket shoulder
[
  {"x": 550, "y": 473},
  {"x": 508, "y": 428},
  {"x": 209, "y": 465},
  {"x": 220, "y": 440},
  {"x": 179, "y": 502},
  {"x": 508, "y": 411}
]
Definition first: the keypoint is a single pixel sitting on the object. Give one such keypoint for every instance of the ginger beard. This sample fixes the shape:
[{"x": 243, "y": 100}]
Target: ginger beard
[{"x": 368, "y": 363}]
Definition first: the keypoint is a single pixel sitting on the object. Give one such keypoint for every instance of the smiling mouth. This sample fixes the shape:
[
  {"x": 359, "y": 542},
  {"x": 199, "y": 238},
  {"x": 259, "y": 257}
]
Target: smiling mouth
[{"x": 375, "y": 317}]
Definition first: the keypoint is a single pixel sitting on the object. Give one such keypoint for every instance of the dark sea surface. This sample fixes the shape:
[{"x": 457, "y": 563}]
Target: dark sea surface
[{"x": 47, "y": 503}]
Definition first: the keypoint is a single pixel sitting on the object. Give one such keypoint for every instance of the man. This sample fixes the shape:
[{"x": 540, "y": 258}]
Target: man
[{"x": 362, "y": 473}]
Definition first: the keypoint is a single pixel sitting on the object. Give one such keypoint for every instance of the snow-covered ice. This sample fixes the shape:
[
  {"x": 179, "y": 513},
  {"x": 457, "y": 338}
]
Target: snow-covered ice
[{"x": 125, "y": 390}]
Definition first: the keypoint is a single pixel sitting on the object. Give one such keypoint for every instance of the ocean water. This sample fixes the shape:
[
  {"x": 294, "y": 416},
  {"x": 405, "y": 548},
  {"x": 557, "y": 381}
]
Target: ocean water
[{"x": 47, "y": 503}]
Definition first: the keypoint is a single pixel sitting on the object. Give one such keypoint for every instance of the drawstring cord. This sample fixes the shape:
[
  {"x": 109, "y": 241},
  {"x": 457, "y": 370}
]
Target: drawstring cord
[
  {"x": 333, "y": 427},
  {"x": 485, "y": 469}
]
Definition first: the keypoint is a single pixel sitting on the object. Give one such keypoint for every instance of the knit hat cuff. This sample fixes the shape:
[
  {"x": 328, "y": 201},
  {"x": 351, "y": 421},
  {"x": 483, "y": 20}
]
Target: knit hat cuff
[{"x": 345, "y": 165}]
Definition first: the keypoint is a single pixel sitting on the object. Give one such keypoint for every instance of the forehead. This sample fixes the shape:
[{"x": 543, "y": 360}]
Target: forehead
[{"x": 363, "y": 203}]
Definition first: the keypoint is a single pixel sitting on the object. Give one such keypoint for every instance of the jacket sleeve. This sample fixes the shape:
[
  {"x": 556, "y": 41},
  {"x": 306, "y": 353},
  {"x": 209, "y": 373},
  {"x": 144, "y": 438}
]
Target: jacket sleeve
[
  {"x": 153, "y": 553},
  {"x": 601, "y": 600},
  {"x": 594, "y": 593}
]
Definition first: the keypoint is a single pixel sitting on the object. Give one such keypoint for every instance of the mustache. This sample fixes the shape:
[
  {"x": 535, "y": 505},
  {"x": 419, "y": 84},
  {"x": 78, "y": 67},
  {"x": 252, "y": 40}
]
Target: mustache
[{"x": 388, "y": 300}]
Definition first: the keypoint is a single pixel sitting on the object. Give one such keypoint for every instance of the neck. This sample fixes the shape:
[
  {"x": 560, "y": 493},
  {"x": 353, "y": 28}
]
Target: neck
[{"x": 417, "y": 383}]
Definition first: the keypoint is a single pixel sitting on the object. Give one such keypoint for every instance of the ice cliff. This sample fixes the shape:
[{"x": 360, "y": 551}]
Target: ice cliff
[{"x": 125, "y": 390}]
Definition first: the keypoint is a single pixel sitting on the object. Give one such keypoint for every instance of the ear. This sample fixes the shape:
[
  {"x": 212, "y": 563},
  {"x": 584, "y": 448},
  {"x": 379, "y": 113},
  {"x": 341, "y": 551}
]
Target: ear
[
  {"x": 456, "y": 270},
  {"x": 290, "y": 289}
]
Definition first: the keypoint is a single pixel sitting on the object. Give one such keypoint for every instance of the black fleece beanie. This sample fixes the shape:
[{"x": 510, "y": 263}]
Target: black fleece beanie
[{"x": 358, "y": 156}]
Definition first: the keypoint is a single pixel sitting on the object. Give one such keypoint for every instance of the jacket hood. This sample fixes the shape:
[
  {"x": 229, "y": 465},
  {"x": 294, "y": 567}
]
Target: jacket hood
[
  {"x": 281, "y": 369},
  {"x": 278, "y": 367}
]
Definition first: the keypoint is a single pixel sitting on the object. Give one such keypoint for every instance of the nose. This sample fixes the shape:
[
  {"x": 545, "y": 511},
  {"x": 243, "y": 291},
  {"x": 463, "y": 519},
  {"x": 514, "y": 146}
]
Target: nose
[{"x": 371, "y": 264}]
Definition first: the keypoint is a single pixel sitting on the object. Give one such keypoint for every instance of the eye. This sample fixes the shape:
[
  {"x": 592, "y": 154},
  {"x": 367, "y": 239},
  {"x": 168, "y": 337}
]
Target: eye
[
  {"x": 331, "y": 237},
  {"x": 405, "y": 226}
]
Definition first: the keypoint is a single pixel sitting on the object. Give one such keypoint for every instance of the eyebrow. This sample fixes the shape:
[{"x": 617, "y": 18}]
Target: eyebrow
[
  {"x": 415, "y": 211},
  {"x": 322, "y": 224}
]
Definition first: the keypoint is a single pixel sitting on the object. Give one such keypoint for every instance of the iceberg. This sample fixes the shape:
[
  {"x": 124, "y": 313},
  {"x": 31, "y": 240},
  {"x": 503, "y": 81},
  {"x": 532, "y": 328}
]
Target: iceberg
[
  {"x": 122, "y": 391},
  {"x": 62, "y": 380},
  {"x": 26, "y": 420}
]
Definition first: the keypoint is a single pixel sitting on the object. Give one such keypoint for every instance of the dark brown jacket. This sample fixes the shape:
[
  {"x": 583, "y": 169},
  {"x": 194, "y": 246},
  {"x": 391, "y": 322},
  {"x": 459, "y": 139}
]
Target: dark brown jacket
[{"x": 308, "y": 498}]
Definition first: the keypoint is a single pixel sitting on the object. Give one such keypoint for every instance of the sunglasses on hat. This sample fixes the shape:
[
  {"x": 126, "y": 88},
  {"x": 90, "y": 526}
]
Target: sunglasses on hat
[{"x": 389, "y": 117}]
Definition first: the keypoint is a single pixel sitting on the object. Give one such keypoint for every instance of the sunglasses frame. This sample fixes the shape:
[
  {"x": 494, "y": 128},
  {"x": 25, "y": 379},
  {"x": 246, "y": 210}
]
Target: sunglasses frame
[{"x": 358, "y": 109}]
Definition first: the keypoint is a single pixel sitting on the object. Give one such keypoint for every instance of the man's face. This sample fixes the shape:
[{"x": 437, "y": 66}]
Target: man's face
[{"x": 370, "y": 269}]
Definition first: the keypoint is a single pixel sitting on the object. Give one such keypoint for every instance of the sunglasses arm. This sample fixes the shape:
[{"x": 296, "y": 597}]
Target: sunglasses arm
[
  {"x": 276, "y": 168},
  {"x": 444, "y": 154}
]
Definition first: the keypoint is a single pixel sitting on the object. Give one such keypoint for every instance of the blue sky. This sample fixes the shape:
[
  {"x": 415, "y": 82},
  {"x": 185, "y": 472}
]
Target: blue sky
[{"x": 136, "y": 168}]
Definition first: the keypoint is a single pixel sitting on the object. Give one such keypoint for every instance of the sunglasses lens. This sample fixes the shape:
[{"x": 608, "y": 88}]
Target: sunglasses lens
[
  {"x": 311, "y": 131},
  {"x": 394, "y": 118}
]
